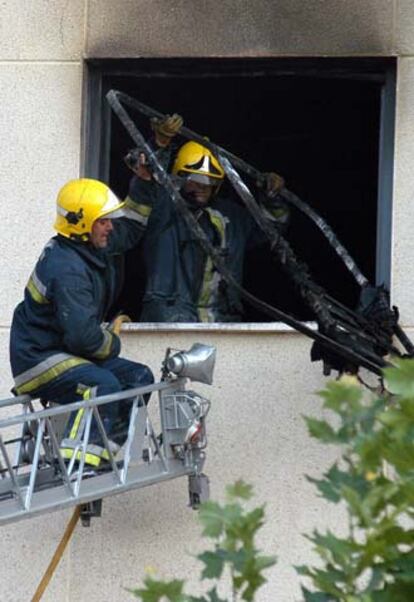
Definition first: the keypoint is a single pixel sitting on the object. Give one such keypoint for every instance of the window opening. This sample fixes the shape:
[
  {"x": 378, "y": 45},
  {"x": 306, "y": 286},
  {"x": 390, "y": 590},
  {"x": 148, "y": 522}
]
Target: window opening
[{"x": 317, "y": 123}]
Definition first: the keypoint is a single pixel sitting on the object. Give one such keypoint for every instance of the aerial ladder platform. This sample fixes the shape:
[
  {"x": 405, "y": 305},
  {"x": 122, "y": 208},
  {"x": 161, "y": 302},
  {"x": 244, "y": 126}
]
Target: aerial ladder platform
[{"x": 161, "y": 443}]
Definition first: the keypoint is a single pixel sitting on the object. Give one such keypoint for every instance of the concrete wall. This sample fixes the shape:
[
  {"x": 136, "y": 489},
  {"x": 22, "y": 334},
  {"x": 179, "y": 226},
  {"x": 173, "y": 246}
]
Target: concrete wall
[{"x": 264, "y": 382}]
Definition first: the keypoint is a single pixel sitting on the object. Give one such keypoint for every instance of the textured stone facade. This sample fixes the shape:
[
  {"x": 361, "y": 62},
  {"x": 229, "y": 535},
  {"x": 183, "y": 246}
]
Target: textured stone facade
[{"x": 264, "y": 382}]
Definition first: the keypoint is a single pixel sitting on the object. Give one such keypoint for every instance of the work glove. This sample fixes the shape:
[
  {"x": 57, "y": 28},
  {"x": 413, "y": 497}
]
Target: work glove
[
  {"x": 274, "y": 183},
  {"x": 137, "y": 162},
  {"x": 116, "y": 324},
  {"x": 166, "y": 128}
]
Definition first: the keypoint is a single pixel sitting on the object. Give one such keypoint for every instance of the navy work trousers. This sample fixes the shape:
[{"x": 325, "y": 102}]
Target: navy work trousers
[{"x": 109, "y": 376}]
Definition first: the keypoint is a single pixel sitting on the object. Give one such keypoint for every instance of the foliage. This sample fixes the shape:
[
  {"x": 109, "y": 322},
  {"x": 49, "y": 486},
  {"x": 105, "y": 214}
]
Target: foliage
[
  {"x": 374, "y": 479},
  {"x": 232, "y": 527}
]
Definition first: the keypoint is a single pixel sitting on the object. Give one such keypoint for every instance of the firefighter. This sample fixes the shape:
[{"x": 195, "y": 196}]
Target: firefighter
[
  {"x": 60, "y": 350},
  {"x": 182, "y": 283}
]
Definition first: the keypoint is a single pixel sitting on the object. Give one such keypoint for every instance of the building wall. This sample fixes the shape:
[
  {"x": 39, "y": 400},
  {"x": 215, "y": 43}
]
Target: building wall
[{"x": 264, "y": 382}]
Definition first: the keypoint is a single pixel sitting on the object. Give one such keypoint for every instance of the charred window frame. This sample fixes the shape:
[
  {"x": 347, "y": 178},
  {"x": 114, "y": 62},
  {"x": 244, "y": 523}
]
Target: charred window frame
[{"x": 341, "y": 162}]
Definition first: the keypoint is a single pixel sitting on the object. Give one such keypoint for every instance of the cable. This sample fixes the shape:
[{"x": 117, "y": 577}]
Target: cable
[{"x": 57, "y": 555}]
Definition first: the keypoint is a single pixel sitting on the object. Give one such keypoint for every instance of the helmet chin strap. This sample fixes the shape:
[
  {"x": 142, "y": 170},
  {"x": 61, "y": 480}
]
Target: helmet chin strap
[{"x": 81, "y": 237}]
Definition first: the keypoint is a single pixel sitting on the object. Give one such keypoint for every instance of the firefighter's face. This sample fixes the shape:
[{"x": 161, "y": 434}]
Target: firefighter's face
[
  {"x": 101, "y": 229},
  {"x": 198, "y": 193}
]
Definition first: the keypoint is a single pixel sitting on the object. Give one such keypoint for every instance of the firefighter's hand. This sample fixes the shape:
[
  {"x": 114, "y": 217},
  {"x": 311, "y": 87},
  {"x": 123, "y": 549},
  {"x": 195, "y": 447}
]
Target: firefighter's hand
[
  {"x": 166, "y": 128},
  {"x": 116, "y": 324},
  {"x": 273, "y": 183},
  {"x": 138, "y": 163}
]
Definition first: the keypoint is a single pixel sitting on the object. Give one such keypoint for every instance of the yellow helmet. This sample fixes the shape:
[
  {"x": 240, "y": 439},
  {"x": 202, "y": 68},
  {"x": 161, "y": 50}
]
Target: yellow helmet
[
  {"x": 199, "y": 163},
  {"x": 80, "y": 203}
]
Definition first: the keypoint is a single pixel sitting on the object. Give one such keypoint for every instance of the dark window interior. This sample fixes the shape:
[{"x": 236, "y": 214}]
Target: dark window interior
[{"x": 315, "y": 122}]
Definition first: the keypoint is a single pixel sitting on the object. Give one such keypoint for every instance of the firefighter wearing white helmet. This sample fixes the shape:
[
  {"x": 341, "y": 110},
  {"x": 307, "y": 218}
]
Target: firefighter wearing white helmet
[
  {"x": 182, "y": 283},
  {"x": 60, "y": 349}
]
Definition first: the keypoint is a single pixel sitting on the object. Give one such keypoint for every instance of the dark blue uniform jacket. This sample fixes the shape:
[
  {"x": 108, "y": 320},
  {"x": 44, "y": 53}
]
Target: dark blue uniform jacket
[
  {"x": 182, "y": 284},
  {"x": 58, "y": 325}
]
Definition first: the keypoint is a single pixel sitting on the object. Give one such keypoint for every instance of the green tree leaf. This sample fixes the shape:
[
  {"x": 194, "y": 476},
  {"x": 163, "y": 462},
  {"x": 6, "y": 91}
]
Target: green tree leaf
[
  {"x": 212, "y": 518},
  {"x": 316, "y": 596},
  {"x": 395, "y": 592},
  {"x": 321, "y": 430},
  {"x": 374, "y": 561},
  {"x": 240, "y": 490},
  {"x": 265, "y": 562},
  {"x": 339, "y": 549},
  {"x": 214, "y": 597},
  {"x": 400, "y": 379},
  {"x": 155, "y": 591},
  {"x": 214, "y": 564},
  {"x": 341, "y": 395}
]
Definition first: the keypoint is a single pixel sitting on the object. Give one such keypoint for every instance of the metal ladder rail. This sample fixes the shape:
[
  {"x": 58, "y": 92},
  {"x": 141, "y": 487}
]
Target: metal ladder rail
[
  {"x": 27, "y": 402},
  {"x": 11, "y": 401},
  {"x": 75, "y": 406},
  {"x": 33, "y": 493},
  {"x": 46, "y": 415},
  {"x": 36, "y": 416}
]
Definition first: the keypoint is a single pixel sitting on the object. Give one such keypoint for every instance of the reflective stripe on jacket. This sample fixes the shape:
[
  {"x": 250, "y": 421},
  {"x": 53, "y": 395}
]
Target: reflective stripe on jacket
[
  {"x": 182, "y": 283},
  {"x": 58, "y": 325}
]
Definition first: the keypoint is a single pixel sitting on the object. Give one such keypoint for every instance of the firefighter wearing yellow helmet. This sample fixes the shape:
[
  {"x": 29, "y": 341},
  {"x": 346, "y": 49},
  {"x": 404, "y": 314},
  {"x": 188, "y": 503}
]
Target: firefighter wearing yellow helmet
[
  {"x": 60, "y": 349},
  {"x": 182, "y": 284},
  {"x": 198, "y": 164},
  {"x": 80, "y": 203}
]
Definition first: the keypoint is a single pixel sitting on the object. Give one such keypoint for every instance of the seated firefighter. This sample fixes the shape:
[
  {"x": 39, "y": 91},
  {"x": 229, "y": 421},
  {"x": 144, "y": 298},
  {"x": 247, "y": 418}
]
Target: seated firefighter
[
  {"x": 59, "y": 349},
  {"x": 182, "y": 283}
]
